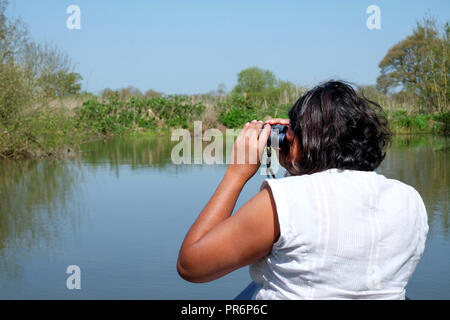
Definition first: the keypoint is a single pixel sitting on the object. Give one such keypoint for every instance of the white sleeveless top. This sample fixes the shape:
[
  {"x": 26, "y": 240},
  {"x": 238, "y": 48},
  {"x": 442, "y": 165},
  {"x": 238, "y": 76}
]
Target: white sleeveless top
[{"x": 344, "y": 234}]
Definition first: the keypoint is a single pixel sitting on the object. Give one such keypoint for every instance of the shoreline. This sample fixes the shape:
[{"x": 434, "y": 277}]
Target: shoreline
[{"x": 72, "y": 150}]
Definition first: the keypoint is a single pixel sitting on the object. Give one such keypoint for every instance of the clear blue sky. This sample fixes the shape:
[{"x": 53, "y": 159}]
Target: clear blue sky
[{"x": 192, "y": 46}]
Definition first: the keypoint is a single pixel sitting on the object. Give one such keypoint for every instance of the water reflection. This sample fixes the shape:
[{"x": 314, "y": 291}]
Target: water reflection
[
  {"x": 156, "y": 152},
  {"x": 34, "y": 198},
  {"x": 135, "y": 152}
]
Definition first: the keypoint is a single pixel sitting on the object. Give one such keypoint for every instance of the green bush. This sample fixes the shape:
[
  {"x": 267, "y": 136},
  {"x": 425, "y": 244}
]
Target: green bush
[
  {"x": 236, "y": 117},
  {"x": 175, "y": 111},
  {"x": 400, "y": 119},
  {"x": 235, "y": 111},
  {"x": 98, "y": 117},
  {"x": 442, "y": 125},
  {"x": 277, "y": 111},
  {"x": 116, "y": 117},
  {"x": 38, "y": 134},
  {"x": 403, "y": 122},
  {"x": 420, "y": 122}
]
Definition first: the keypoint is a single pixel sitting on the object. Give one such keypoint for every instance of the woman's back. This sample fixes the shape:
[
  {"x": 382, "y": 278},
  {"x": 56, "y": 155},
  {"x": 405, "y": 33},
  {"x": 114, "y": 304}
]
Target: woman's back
[{"x": 344, "y": 234}]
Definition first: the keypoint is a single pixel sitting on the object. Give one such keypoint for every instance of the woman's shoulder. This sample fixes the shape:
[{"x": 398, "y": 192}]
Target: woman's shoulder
[
  {"x": 287, "y": 181},
  {"x": 344, "y": 176},
  {"x": 400, "y": 186},
  {"x": 343, "y": 180},
  {"x": 329, "y": 174}
]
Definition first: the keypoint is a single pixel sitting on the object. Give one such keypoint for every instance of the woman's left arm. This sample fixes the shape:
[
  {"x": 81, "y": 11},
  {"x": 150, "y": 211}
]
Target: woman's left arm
[{"x": 219, "y": 242}]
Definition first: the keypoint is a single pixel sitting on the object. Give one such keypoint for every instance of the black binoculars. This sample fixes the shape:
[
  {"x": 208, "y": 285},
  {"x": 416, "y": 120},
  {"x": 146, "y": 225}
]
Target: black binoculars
[{"x": 277, "y": 137}]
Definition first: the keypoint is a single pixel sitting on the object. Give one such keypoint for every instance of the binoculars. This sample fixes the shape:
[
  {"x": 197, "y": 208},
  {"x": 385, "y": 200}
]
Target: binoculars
[{"x": 277, "y": 138}]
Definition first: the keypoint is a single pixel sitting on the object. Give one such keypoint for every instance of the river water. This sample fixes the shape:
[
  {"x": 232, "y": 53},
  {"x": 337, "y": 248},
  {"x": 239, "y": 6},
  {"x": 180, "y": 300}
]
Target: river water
[{"x": 121, "y": 209}]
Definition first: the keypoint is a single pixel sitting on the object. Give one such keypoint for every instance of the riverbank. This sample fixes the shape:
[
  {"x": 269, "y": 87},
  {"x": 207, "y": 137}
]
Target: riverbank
[
  {"x": 57, "y": 131},
  {"x": 402, "y": 122}
]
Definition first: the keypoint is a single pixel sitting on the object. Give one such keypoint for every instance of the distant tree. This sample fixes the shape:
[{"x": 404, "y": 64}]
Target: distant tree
[
  {"x": 370, "y": 92},
  {"x": 150, "y": 93},
  {"x": 107, "y": 93},
  {"x": 419, "y": 65},
  {"x": 255, "y": 80},
  {"x": 288, "y": 92},
  {"x": 128, "y": 92},
  {"x": 261, "y": 86},
  {"x": 221, "y": 89}
]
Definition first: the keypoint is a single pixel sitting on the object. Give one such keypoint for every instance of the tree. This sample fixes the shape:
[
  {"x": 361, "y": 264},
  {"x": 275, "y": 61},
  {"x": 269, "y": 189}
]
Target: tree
[
  {"x": 128, "y": 92},
  {"x": 13, "y": 36},
  {"x": 221, "y": 89},
  {"x": 60, "y": 84},
  {"x": 150, "y": 93},
  {"x": 255, "y": 80},
  {"x": 107, "y": 93},
  {"x": 13, "y": 91},
  {"x": 49, "y": 71},
  {"x": 43, "y": 70},
  {"x": 261, "y": 86},
  {"x": 419, "y": 65}
]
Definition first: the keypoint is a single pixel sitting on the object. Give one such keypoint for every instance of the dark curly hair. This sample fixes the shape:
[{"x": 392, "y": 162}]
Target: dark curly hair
[{"x": 338, "y": 129}]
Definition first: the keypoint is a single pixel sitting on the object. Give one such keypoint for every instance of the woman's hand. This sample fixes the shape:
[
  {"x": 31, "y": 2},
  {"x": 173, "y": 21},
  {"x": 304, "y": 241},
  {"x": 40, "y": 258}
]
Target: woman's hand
[
  {"x": 284, "y": 122},
  {"x": 219, "y": 242},
  {"x": 248, "y": 149}
]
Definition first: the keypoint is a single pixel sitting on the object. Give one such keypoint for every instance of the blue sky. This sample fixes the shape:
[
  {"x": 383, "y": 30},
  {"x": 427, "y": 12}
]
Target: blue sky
[{"x": 192, "y": 46}]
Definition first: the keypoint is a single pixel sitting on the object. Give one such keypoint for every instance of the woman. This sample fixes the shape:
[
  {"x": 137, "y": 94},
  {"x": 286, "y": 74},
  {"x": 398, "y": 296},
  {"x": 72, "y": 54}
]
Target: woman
[{"x": 334, "y": 229}]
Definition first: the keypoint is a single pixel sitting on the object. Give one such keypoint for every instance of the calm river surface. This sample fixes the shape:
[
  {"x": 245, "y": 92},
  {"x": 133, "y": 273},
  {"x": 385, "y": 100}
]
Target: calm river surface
[{"x": 121, "y": 210}]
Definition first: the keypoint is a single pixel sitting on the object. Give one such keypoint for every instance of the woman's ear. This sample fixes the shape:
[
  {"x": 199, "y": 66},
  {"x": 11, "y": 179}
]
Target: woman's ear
[{"x": 293, "y": 155}]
